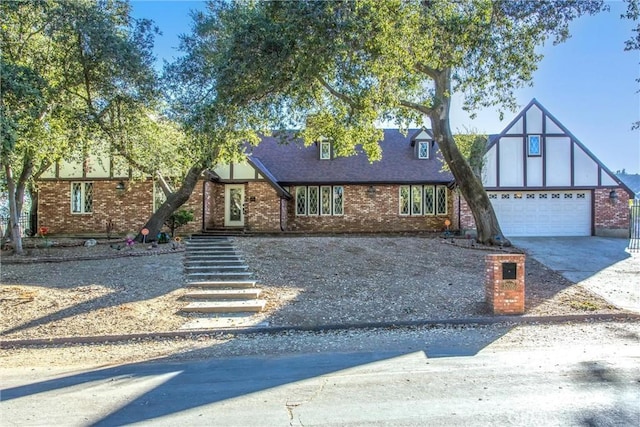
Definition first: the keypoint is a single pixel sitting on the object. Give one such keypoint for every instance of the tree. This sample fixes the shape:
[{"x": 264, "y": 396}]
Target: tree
[
  {"x": 335, "y": 68},
  {"x": 68, "y": 70}
]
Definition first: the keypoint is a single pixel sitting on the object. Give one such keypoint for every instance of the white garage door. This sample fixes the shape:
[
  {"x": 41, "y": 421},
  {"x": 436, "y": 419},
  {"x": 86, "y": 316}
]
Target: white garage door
[{"x": 543, "y": 213}]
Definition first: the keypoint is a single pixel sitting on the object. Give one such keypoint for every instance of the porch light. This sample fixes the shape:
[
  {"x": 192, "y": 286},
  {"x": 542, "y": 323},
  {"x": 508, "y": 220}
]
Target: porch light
[
  {"x": 613, "y": 197},
  {"x": 120, "y": 187},
  {"x": 371, "y": 191}
]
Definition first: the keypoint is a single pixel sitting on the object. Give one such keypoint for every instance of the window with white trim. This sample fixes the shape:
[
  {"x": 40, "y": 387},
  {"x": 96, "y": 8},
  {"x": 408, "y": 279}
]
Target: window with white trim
[
  {"x": 313, "y": 194},
  {"x": 429, "y": 200},
  {"x": 81, "y": 197},
  {"x": 338, "y": 200},
  {"x": 423, "y": 149},
  {"x": 325, "y": 150},
  {"x": 441, "y": 200},
  {"x": 324, "y": 200},
  {"x": 416, "y": 200},
  {"x": 301, "y": 200}
]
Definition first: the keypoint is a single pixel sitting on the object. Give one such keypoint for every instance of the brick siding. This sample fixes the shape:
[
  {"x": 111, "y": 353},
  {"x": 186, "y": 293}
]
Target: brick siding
[
  {"x": 504, "y": 296},
  {"x": 128, "y": 212},
  {"x": 611, "y": 218}
]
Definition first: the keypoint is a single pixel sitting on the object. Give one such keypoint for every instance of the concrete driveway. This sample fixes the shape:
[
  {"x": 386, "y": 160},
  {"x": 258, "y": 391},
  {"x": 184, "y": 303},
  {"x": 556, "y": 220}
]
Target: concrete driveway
[{"x": 600, "y": 264}]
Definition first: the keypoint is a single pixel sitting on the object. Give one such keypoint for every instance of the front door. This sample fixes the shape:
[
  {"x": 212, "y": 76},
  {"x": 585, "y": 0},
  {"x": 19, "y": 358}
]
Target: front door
[{"x": 233, "y": 205}]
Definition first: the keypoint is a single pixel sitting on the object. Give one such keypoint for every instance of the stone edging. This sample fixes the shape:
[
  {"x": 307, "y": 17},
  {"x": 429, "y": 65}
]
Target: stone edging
[{"x": 443, "y": 323}]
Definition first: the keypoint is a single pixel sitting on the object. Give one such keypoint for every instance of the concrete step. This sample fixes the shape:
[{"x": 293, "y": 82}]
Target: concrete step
[
  {"x": 225, "y": 306},
  {"x": 213, "y": 294},
  {"x": 219, "y": 274},
  {"x": 203, "y": 262},
  {"x": 223, "y": 320},
  {"x": 222, "y": 284},
  {"x": 212, "y": 256},
  {"x": 215, "y": 268},
  {"x": 209, "y": 250}
]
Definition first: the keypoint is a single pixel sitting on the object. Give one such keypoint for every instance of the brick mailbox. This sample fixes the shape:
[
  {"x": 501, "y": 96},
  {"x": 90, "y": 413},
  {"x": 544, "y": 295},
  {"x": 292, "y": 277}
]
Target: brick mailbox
[{"x": 504, "y": 284}]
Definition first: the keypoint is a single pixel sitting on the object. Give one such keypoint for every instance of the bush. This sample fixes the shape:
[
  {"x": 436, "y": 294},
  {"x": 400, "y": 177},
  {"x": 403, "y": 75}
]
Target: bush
[{"x": 178, "y": 219}]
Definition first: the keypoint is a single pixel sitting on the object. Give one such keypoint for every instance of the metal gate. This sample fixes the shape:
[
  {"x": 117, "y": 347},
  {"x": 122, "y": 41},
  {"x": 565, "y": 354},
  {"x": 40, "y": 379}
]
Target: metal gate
[{"x": 634, "y": 226}]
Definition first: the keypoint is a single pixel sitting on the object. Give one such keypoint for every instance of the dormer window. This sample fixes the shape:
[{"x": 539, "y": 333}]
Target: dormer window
[
  {"x": 423, "y": 149},
  {"x": 325, "y": 150}
]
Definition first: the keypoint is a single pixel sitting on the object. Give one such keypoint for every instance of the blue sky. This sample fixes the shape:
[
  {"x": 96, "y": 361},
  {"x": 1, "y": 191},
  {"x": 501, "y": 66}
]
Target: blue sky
[{"x": 587, "y": 83}]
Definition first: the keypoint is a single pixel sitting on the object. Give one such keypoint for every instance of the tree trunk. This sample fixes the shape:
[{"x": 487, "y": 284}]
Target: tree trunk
[
  {"x": 471, "y": 187},
  {"x": 14, "y": 225},
  {"x": 173, "y": 202}
]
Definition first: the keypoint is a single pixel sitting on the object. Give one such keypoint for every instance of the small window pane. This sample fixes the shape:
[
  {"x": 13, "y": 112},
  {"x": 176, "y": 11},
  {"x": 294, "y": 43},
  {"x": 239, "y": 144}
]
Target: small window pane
[
  {"x": 76, "y": 197},
  {"x": 441, "y": 200},
  {"x": 88, "y": 197},
  {"x": 301, "y": 200},
  {"x": 429, "y": 200},
  {"x": 313, "y": 200},
  {"x": 416, "y": 200},
  {"x": 325, "y": 200},
  {"x": 338, "y": 200},
  {"x": 534, "y": 145},
  {"x": 404, "y": 200},
  {"x": 325, "y": 150},
  {"x": 423, "y": 150}
]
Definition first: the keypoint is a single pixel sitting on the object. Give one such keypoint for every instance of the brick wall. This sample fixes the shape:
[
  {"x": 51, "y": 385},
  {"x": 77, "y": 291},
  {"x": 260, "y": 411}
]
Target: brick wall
[
  {"x": 466, "y": 217},
  {"x": 369, "y": 213},
  {"x": 262, "y": 212},
  {"x": 611, "y": 219},
  {"x": 362, "y": 212},
  {"x": 504, "y": 296},
  {"x": 128, "y": 212}
]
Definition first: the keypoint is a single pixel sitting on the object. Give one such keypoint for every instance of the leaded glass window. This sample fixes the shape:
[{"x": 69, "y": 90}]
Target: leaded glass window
[
  {"x": 325, "y": 150},
  {"x": 338, "y": 200},
  {"x": 423, "y": 149},
  {"x": 301, "y": 200},
  {"x": 81, "y": 197},
  {"x": 441, "y": 200},
  {"x": 416, "y": 200},
  {"x": 325, "y": 200},
  {"x": 404, "y": 200},
  {"x": 429, "y": 200},
  {"x": 313, "y": 200}
]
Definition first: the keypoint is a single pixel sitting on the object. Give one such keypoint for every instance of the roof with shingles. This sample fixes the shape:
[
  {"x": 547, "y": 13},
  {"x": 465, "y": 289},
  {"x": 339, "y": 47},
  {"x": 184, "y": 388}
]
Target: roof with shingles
[{"x": 292, "y": 163}]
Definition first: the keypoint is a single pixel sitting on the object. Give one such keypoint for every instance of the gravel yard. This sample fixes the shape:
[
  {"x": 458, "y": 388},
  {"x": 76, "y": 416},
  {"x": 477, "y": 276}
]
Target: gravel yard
[{"x": 308, "y": 281}]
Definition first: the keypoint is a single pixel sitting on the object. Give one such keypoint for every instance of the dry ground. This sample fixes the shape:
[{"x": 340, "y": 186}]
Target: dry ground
[{"x": 307, "y": 280}]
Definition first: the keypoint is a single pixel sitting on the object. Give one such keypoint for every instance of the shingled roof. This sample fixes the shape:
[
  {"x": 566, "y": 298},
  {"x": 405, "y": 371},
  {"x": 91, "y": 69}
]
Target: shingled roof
[{"x": 293, "y": 163}]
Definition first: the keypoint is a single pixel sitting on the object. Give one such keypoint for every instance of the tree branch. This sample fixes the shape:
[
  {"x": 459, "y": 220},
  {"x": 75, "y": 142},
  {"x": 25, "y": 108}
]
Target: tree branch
[
  {"x": 418, "y": 107},
  {"x": 425, "y": 69},
  {"x": 341, "y": 96},
  {"x": 166, "y": 188}
]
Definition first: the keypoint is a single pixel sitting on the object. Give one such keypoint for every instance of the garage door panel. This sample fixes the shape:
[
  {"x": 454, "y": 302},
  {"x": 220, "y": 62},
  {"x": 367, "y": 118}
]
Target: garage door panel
[{"x": 543, "y": 213}]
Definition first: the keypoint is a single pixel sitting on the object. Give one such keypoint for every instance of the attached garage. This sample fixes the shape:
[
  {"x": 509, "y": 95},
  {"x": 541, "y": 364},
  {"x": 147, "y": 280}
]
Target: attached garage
[{"x": 543, "y": 213}]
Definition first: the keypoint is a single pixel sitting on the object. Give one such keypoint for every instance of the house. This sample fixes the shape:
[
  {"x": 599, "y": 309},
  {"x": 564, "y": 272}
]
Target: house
[
  {"x": 540, "y": 178},
  {"x": 542, "y": 181}
]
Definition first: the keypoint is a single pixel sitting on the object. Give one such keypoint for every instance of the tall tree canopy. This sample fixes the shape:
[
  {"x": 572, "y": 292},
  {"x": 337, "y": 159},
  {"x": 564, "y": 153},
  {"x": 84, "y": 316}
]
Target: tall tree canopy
[
  {"x": 77, "y": 77},
  {"x": 336, "y": 68}
]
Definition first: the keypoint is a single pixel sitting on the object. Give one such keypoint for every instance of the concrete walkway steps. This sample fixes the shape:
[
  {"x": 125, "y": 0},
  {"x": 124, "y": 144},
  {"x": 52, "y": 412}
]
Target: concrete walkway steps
[
  {"x": 224, "y": 293},
  {"x": 217, "y": 281},
  {"x": 256, "y": 305}
]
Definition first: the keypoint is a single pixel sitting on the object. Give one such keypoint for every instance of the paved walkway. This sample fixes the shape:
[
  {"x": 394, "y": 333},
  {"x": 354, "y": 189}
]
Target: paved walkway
[{"x": 600, "y": 264}]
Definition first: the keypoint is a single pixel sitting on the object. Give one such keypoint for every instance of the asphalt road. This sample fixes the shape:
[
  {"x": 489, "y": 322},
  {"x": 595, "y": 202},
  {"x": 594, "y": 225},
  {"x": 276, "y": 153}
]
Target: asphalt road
[{"x": 580, "y": 377}]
